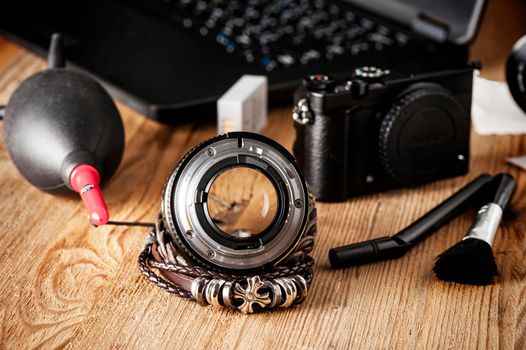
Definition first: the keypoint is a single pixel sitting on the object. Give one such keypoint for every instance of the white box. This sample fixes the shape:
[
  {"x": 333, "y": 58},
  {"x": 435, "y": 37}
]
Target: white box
[{"x": 244, "y": 106}]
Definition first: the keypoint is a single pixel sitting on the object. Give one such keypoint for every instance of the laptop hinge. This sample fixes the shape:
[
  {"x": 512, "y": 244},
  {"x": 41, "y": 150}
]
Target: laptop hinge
[{"x": 431, "y": 28}]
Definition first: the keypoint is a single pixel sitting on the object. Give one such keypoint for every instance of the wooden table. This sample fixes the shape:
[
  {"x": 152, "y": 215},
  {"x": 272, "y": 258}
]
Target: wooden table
[{"x": 65, "y": 283}]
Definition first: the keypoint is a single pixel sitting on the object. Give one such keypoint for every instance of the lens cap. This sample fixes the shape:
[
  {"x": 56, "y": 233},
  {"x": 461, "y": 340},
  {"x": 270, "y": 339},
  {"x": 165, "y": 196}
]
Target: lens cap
[
  {"x": 421, "y": 136},
  {"x": 516, "y": 72}
]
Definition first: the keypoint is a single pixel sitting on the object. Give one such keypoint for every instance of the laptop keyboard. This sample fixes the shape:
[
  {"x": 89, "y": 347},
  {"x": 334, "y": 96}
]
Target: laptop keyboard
[{"x": 283, "y": 33}]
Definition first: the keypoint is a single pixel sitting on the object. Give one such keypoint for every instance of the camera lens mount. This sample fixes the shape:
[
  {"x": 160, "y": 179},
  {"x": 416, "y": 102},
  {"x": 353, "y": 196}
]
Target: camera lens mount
[{"x": 236, "y": 202}]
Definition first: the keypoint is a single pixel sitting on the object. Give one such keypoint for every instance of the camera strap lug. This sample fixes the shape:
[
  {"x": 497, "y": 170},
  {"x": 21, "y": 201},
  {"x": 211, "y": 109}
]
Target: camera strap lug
[{"x": 302, "y": 114}]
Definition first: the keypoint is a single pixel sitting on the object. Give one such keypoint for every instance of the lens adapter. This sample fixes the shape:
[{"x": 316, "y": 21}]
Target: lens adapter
[{"x": 236, "y": 202}]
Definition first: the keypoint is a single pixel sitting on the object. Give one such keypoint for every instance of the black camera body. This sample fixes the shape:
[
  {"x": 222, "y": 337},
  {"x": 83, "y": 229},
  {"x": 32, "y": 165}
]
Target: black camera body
[{"x": 382, "y": 129}]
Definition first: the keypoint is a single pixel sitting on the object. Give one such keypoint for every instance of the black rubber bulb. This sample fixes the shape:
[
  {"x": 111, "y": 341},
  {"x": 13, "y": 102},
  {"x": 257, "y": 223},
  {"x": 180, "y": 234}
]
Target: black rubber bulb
[{"x": 63, "y": 131}]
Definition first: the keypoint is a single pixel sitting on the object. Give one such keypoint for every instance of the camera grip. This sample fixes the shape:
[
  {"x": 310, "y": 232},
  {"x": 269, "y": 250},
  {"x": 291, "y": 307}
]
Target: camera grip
[{"x": 322, "y": 151}]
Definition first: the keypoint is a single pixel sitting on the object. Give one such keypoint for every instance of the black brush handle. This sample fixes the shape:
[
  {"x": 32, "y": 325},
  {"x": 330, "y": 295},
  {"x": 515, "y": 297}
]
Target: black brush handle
[
  {"x": 394, "y": 247},
  {"x": 378, "y": 249},
  {"x": 461, "y": 200},
  {"x": 504, "y": 188}
]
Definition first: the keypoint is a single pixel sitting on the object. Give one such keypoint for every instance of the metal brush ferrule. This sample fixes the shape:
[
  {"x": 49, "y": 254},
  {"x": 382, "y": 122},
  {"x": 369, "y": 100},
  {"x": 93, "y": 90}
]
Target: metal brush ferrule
[{"x": 486, "y": 223}]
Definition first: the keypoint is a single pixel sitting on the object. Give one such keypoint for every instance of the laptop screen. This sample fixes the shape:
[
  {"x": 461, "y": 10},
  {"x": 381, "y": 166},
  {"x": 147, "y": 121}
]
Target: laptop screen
[{"x": 442, "y": 20}]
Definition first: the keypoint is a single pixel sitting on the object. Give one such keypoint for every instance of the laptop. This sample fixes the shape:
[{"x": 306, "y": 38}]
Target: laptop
[{"x": 172, "y": 59}]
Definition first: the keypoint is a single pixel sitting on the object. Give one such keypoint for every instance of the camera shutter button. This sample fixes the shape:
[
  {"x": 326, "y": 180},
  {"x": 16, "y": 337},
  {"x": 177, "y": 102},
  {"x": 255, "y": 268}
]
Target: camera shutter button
[{"x": 319, "y": 82}]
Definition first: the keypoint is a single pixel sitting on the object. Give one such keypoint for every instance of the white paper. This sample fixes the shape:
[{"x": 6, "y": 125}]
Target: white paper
[
  {"x": 518, "y": 161},
  {"x": 494, "y": 111}
]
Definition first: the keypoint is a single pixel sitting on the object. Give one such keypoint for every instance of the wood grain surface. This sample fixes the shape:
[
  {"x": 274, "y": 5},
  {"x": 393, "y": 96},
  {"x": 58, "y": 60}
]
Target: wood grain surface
[{"x": 64, "y": 283}]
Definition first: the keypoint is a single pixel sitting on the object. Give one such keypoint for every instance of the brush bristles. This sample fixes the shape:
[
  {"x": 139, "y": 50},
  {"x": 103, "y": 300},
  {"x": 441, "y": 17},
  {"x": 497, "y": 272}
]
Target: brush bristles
[{"x": 470, "y": 261}]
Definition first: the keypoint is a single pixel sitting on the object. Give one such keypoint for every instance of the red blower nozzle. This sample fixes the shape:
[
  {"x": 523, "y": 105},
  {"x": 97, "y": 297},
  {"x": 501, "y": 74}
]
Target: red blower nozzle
[{"x": 85, "y": 180}]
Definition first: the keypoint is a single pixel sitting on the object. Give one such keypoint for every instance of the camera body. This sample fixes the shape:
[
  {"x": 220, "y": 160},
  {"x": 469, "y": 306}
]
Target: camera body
[{"x": 382, "y": 129}]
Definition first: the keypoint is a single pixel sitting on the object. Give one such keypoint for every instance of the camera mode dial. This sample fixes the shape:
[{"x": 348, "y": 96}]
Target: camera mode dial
[
  {"x": 370, "y": 72},
  {"x": 418, "y": 135}
]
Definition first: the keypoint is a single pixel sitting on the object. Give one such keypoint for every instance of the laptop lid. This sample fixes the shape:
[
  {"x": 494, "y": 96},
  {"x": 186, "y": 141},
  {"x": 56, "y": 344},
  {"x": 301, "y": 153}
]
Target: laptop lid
[{"x": 455, "y": 21}]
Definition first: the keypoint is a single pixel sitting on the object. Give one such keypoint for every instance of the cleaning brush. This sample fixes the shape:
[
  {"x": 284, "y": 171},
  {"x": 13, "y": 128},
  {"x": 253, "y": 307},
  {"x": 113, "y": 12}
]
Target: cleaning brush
[{"x": 471, "y": 260}]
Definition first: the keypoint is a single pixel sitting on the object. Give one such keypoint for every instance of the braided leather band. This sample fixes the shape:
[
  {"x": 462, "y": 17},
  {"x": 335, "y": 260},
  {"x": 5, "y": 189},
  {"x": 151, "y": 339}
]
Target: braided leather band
[{"x": 283, "y": 286}]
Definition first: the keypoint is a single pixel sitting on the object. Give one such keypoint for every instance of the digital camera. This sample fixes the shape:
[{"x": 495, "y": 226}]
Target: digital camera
[{"x": 382, "y": 129}]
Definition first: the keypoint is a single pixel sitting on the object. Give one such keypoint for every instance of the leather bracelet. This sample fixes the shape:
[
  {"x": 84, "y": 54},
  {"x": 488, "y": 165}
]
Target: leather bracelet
[{"x": 283, "y": 286}]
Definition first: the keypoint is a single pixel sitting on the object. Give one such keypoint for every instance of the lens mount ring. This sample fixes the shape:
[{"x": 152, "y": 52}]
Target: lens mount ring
[{"x": 184, "y": 204}]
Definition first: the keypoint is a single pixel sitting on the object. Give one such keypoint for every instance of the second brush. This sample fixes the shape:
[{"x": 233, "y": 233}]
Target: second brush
[{"x": 471, "y": 261}]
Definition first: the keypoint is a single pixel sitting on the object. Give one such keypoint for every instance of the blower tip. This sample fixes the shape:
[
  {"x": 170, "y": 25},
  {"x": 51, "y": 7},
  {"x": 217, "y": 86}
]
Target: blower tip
[{"x": 85, "y": 180}]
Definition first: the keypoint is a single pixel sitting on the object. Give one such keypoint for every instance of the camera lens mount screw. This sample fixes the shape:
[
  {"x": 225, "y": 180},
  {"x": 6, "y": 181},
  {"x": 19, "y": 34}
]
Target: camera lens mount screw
[
  {"x": 211, "y": 151},
  {"x": 298, "y": 203}
]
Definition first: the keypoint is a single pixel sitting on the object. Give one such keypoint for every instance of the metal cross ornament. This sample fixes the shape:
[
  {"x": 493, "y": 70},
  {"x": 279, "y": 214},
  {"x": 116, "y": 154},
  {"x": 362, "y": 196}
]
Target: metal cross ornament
[{"x": 251, "y": 295}]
